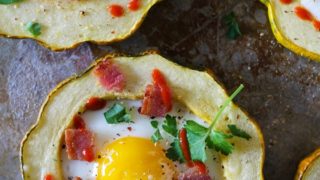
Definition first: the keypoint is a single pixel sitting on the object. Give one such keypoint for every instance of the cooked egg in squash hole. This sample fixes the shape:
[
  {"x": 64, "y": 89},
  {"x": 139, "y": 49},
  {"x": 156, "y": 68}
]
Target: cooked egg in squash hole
[
  {"x": 296, "y": 25},
  {"x": 142, "y": 118},
  {"x": 309, "y": 168},
  {"x": 64, "y": 24}
]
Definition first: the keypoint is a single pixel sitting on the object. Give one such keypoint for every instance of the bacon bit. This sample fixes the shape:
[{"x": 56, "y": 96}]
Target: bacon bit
[
  {"x": 193, "y": 174},
  {"x": 78, "y": 122},
  {"x": 316, "y": 24},
  {"x": 160, "y": 80},
  {"x": 152, "y": 104},
  {"x": 110, "y": 76},
  {"x": 48, "y": 177},
  {"x": 95, "y": 103},
  {"x": 184, "y": 145},
  {"x": 116, "y": 10},
  {"x": 80, "y": 143},
  {"x": 157, "y": 97},
  {"x": 134, "y": 5},
  {"x": 303, "y": 13},
  {"x": 129, "y": 128},
  {"x": 286, "y": 1},
  {"x": 76, "y": 178}
]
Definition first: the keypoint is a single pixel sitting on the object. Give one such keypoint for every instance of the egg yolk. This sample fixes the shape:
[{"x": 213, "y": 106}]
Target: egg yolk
[{"x": 134, "y": 158}]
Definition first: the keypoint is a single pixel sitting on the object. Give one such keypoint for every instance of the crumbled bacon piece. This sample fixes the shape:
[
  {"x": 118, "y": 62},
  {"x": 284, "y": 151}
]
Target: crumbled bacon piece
[
  {"x": 80, "y": 143},
  {"x": 194, "y": 174},
  {"x": 110, "y": 76},
  {"x": 152, "y": 103},
  {"x": 157, "y": 100},
  {"x": 78, "y": 122}
]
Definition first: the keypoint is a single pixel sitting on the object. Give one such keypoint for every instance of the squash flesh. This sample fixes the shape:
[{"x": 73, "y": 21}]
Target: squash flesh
[
  {"x": 295, "y": 34},
  {"x": 65, "y": 24},
  {"x": 40, "y": 152}
]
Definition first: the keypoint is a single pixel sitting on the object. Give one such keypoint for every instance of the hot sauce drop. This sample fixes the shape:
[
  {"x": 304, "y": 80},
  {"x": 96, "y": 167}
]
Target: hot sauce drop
[
  {"x": 116, "y": 10},
  {"x": 134, "y": 5},
  {"x": 316, "y": 24},
  {"x": 286, "y": 1},
  {"x": 303, "y": 13},
  {"x": 48, "y": 177},
  {"x": 95, "y": 103}
]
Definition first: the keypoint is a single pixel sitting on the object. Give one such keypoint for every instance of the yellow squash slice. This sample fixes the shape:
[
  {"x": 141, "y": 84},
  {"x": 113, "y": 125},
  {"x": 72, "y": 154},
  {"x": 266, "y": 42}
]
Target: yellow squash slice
[
  {"x": 309, "y": 168},
  {"x": 40, "y": 152},
  {"x": 64, "y": 24},
  {"x": 293, "y": 33}
]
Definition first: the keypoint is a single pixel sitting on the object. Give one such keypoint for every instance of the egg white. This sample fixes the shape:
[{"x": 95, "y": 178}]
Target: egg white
[{"x": 106, "y": 133}]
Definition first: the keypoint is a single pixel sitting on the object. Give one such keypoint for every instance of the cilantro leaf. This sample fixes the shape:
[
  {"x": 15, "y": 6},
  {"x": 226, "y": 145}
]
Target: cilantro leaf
[
  {"x": 117, "y": 114},
  {"x": 233, "y": 28},
  {"x": 195, "y": 127},
  {"x": 238, "y": 132},
  {"x": 154, "y": 124},
  {"x": 199, "y": 136},
  {"x": 34, "y": 28},
  {"x": 8, "y": 1},
  {"x": 170, "y": 125},
  {"x": 219, "y": 142},
  {"x": 156, "y": 136},
  {"x": 174, "y": 152},
  {"x": 197, "y": 144}
]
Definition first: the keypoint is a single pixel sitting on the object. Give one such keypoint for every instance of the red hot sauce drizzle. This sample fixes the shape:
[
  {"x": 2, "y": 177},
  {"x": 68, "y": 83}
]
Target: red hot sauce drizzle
[
  {"x": 304, "y": 14},
  {"x": 116, "y": 10},
  {"x": 95, "y": 103},
  {"x": 134, "y": 5},
  {"x": 286, "y": 1}
]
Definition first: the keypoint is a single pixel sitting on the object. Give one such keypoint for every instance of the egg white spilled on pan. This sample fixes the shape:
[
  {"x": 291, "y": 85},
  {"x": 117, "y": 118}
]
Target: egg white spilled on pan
[{"x": 127, "y": 147}]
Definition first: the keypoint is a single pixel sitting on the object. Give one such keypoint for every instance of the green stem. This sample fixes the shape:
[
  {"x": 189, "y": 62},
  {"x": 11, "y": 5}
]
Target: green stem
[{"x": 226, "y": 103}]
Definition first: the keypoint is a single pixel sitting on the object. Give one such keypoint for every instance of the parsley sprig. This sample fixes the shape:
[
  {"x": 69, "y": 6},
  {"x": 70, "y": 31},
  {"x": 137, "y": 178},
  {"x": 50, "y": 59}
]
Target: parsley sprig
[
  {"x": 233, "y": 28},
  {"x": 34, "y": 28},
  {"x": 8, "y": 1},
  {"x": 199, "y": 136},
  {"x": 117, "y": 114}
]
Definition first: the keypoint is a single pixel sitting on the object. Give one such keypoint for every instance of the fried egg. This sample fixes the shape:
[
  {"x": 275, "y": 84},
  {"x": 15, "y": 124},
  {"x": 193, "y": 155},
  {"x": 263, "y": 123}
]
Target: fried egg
[{"x": 125, "y": 150}]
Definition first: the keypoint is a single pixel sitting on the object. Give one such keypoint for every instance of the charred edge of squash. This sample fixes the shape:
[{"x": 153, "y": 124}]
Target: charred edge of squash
[
  {"x": 282, "y": 39},
  {"x": 149, "y": 52},
  {"x": 305, "y": 163},
  {"x": 57, "y": 48}
]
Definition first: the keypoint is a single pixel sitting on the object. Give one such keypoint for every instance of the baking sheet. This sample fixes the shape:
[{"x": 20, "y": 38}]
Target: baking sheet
[{"x": 282, "y": 89}]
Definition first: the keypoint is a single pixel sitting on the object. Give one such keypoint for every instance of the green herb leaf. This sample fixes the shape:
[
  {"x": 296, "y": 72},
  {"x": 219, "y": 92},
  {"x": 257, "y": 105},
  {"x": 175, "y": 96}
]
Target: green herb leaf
[
  {"x": 199, "y": 136},
  {"x": 195, "y": 128},
  {"x": 219, "y": 142},
  {"x": 117, "y": 114},
  {"x": 8, "y": 1},
  {"x": 238, "y": 132},
  {"x": 174, "y": 152},
  {"x": 34, "y": 28},
  {"x": 197, "y": 145},
  {"x": 170, "y": 125},
  {"x": 233, "y": 28},
  {"x": 154, "y": 124},
  {"x": 156, "y": 136}
]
